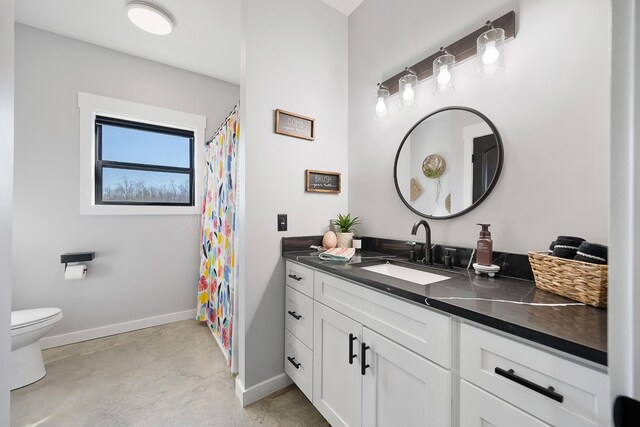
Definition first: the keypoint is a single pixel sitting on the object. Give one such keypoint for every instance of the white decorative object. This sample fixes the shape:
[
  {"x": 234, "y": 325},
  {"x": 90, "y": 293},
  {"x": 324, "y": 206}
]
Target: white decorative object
[{"x": 329, "y": 240}]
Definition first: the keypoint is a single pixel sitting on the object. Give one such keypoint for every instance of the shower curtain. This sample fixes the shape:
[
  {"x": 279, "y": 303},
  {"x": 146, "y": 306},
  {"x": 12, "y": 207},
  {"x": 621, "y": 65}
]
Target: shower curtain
[{"x": 217, "y": 304}]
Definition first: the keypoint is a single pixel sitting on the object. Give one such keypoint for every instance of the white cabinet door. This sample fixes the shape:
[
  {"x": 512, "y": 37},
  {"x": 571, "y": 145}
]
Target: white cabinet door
[
  {"x": 337, "y": 383},
  {"x": 481, "y": 409},
  {"x": 401, "y": 388}
]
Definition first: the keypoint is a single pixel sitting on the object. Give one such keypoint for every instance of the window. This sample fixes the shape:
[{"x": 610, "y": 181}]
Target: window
[
  {"x": 142, "y": 164},
  {"x": 138, "y": 159}
]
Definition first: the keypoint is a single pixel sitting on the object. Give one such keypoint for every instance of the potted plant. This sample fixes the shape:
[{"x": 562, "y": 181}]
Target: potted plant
[{"x": 345, "y": 225}]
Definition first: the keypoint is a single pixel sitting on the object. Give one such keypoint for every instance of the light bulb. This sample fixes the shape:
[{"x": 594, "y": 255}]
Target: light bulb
[
  {"x": 407, "y": 94},
  {"x": 444, "y": 76},
  {"x": 381, "y": 108},
  {"x": 491, "y": 54}
]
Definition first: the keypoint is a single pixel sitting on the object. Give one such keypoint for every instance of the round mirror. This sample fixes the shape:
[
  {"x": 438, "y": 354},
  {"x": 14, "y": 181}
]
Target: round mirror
[{"x": 448, "y": 163}]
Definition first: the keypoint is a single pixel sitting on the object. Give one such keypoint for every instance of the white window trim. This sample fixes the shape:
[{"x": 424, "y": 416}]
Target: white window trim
[{"x": 92, "y": 105}]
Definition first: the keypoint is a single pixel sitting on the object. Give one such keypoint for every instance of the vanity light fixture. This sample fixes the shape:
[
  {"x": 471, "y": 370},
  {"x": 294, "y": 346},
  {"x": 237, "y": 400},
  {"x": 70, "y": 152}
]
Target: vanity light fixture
[
  {"x": 442, "y": 72},
  {"x": 490, "y": 56},
  {"x": 382, "y": 95},
  {"x": 486, "y": 43},
  {"x": 150, "y": 17},
  {"x": 406, "y": 84}
]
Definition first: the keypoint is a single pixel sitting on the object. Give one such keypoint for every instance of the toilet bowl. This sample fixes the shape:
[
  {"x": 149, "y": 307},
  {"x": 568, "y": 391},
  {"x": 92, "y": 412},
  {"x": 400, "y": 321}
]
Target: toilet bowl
[{"x": 27, "y": 327}]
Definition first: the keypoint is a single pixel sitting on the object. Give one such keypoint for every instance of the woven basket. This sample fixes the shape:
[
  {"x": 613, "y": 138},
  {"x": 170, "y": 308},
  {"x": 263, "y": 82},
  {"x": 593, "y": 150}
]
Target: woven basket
[{"x": 576, "y": 280}]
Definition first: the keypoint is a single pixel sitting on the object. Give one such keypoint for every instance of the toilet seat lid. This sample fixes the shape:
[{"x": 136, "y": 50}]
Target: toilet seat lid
[{"x": 23, "y": 318}]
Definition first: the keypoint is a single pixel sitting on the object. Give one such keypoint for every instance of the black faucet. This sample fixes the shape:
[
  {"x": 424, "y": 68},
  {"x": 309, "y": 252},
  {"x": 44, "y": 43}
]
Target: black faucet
[{"x": 427, "y": 245}]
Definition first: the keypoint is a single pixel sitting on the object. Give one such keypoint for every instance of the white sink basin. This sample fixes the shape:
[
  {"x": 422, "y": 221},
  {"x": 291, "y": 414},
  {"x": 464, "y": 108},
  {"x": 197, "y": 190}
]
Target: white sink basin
[{"x": 408, "y": 274}]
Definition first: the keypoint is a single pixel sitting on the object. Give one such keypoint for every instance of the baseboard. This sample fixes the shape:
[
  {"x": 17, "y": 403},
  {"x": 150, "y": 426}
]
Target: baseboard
[
  {"x": 261, "y": 390},
  {"x": 118, "y": 328}
]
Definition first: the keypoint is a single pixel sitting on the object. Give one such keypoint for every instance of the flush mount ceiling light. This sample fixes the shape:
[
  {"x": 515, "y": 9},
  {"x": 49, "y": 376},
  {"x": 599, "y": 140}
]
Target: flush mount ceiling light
[{"x": 149, "y": 17}]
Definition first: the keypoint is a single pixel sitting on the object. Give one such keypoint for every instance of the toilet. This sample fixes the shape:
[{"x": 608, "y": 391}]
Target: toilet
[{"x": 27, "y": 327}]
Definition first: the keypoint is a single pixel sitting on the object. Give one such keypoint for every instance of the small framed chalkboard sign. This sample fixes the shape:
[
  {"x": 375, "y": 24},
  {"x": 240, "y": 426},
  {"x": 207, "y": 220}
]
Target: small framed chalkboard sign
[
  {"x": 322, "y": 182},
  {"x": 295, "y": 125}
]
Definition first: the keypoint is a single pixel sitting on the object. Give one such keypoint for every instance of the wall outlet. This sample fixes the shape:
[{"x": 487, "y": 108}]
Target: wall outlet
[{"x": 282, "y": 222}]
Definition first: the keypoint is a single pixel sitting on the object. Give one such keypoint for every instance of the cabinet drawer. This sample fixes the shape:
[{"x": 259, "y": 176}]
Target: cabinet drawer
[
  {"x": 481, "y": 409},
  {"x": 521, "y": 374},
  {"x": 299, "y": 316},
  {"x": 300, "y": 278},
  {"x": 298, "y": 363},
  {"x": 419, "y": 329}
]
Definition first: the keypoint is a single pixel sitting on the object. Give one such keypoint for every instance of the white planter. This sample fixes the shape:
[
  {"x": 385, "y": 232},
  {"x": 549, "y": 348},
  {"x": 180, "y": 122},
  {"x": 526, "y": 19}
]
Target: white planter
[{"x": 345, "y": 240}]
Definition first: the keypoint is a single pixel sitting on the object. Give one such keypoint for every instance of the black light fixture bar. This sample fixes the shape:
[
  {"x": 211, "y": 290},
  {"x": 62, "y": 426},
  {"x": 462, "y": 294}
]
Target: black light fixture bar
[{"x": 461, "y": 49}]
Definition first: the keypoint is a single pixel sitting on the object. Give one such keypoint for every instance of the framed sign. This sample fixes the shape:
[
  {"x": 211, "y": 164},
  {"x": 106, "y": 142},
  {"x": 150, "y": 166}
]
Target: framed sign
[
  {"x": 295, "y": 125},
  {"x": 322, "y": 182}
]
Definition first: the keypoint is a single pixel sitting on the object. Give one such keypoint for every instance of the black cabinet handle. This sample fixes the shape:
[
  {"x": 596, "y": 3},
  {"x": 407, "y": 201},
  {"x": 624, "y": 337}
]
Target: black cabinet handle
[
  {"x": 294, "y": 277},
  {"x": 293, "y": 362},
  {"x": 363, "y": 354},
  {"x": 352, "y": 356},
  {"x": 294, "y": 315},
  {"x": 545, "y": 391}
]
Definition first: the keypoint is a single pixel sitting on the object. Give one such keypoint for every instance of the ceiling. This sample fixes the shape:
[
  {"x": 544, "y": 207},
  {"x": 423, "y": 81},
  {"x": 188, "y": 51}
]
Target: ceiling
[
  {"x": 344, "y": 6},
  {"x": 205, "y": 40}
]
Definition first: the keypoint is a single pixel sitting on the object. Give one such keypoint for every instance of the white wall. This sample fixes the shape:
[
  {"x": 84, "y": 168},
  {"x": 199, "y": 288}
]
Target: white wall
[
  {"x": 551, "y": 107},
  {"x": 6, "y": 190},
  {"x": 295, "y": 58},
  {"x": 145, "y": 265}
]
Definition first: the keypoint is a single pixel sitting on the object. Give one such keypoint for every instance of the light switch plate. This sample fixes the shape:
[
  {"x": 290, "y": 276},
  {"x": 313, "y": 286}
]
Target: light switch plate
[{"x": 282, "y": 222}]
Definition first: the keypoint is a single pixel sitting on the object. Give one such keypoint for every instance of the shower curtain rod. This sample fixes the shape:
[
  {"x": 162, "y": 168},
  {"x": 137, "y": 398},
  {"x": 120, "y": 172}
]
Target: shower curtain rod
[{"x": 210, "y": 140}]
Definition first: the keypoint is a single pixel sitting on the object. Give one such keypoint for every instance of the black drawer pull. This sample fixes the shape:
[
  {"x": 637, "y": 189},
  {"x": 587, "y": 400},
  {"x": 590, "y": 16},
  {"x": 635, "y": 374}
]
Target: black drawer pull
[
  {"x": 363, "y": 354},
  {"x": 352, "y": 356},
  {"x": 294, "y": 277},
  {"x": 545, "y": 391},
  {"x": 294, "y": 315},
  {"x": 293, "y": 362}
]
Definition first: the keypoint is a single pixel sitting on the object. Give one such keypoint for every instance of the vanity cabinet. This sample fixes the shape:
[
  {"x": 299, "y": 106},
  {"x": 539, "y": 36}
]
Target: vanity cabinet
[
  {"x": 551, "y": 388},
  {"x": 377, "y": 360},
  {"x": 362, "y": 378},
  {"x": 298, "y": 337},
  {"x": 365, "y": 358}
]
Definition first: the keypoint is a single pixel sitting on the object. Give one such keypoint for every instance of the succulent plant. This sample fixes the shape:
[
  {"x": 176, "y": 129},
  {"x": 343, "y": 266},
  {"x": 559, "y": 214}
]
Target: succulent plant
[{"x": 345, "y": 223}]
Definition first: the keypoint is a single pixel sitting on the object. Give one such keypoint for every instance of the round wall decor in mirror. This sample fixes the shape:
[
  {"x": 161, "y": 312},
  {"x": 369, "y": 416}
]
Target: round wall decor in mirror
[{"x": 448, "y": 163}]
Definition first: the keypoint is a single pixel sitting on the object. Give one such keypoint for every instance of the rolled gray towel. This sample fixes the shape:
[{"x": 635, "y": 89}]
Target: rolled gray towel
[
  {"x": 566, "y": 246},
  {"x": 592, "y": 252}
]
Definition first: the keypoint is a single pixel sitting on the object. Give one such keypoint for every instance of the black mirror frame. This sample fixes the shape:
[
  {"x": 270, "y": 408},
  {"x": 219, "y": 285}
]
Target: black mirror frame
[{"x": 493, "y": 181}]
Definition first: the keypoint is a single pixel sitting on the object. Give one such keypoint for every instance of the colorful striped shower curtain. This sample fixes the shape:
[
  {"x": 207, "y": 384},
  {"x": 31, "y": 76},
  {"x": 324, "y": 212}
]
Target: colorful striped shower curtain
[{"x": 217, "y": 303}]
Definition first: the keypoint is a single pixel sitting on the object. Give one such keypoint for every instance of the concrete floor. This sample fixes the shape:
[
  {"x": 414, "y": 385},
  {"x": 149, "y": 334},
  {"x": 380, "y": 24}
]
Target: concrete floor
[{"x": 171, "y": 375}]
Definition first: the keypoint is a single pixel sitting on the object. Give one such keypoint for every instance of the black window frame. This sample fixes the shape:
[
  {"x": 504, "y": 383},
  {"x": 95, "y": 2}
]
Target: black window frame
[{"x": 128, "y": 124}]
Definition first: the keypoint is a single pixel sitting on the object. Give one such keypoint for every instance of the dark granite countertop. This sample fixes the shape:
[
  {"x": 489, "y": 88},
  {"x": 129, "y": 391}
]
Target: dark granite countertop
[{"x": 579, "y": 330}]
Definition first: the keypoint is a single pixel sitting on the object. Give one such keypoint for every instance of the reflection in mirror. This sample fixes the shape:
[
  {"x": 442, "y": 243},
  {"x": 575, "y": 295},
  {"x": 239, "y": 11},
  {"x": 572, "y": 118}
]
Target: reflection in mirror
[{"x": 448, "y": 163}]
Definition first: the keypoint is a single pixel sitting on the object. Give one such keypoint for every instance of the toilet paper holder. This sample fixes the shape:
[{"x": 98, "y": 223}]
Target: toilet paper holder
[{"x": 76, "y": 257}]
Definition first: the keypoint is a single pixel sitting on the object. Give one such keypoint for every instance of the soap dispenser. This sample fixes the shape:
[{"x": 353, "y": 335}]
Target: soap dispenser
[{"x": 485, "y": 246}]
